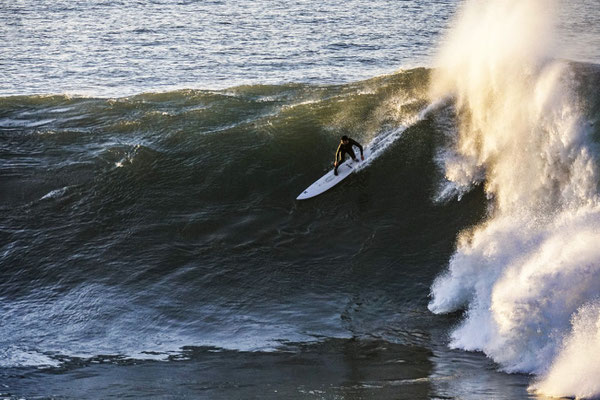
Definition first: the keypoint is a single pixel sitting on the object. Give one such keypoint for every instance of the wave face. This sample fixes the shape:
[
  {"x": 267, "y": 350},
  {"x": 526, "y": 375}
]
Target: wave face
[
  {"x": 134, "y": 227},
  {"x": 526, "y": 129}
]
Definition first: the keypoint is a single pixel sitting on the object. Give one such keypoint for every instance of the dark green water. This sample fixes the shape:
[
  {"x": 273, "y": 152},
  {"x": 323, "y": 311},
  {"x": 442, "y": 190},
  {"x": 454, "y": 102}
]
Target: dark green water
[{"x": 163, "y": 225}]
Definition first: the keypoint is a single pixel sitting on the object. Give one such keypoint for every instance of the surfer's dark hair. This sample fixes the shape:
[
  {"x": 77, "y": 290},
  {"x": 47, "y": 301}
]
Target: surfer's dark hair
[{"x": 344, "y": 137}]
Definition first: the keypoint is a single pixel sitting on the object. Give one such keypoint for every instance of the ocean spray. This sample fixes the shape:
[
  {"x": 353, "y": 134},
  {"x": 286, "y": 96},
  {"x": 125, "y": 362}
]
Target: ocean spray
[{"x": 529, "y": 276}]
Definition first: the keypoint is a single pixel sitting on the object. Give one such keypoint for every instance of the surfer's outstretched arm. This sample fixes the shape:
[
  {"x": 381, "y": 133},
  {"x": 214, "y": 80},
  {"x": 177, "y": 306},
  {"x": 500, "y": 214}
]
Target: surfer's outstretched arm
[{"x": 355, "y": 143}]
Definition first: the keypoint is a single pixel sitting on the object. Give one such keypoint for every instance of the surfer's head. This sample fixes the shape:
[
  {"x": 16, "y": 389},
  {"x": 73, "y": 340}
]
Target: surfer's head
[{"x": 345, "y": 139}]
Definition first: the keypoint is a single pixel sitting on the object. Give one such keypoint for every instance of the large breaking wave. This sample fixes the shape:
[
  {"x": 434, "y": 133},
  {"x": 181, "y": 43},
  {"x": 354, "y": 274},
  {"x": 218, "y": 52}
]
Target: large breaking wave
[{"x": 179, "y": 207}]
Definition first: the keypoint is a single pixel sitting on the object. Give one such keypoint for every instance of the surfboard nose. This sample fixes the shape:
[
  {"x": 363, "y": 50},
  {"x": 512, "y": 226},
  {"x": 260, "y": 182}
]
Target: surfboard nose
[{"x": 303, "y": 195}]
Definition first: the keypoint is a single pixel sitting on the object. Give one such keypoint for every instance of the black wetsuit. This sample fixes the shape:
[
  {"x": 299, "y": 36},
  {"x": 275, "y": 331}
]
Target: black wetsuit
[{"x": 343, "y": 149}]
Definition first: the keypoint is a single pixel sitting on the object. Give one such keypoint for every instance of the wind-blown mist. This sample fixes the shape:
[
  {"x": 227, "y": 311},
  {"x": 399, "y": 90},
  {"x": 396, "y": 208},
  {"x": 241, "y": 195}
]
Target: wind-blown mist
[{"x": 529, "y": 275}]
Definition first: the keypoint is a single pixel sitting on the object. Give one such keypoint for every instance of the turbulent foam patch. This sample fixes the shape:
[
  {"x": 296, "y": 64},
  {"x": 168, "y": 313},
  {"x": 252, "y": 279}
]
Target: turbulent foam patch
[
  {"x": 534, "y": 265},
  {"x": 570, "y": 375}
]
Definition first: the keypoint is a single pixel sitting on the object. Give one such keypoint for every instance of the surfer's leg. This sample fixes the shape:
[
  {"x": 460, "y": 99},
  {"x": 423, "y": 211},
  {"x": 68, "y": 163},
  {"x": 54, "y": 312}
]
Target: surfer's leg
[
  {"x": 342, "y": 159},
  {"x": 351, "y": 152}
]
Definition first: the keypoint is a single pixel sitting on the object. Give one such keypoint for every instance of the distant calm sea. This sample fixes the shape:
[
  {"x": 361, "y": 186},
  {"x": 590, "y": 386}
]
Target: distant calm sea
[{"x": 151, "y": 245}]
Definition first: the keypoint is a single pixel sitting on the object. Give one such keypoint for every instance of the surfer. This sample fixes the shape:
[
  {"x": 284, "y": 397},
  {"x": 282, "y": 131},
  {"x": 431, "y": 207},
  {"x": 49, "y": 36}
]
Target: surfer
[{"x": 346, "y": 147}]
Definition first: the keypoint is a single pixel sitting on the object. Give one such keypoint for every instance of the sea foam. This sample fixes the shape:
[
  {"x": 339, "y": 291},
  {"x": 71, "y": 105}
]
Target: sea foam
[{"x": 529, "y": 274}]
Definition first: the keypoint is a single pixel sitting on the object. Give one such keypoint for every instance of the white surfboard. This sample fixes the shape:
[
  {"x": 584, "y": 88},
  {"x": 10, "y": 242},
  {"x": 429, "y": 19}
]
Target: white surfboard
[{"x": 329, "y": 180}]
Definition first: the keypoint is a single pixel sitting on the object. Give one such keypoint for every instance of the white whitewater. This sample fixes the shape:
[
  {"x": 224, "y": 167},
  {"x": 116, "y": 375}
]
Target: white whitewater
[{"x": 529, "y": 276}]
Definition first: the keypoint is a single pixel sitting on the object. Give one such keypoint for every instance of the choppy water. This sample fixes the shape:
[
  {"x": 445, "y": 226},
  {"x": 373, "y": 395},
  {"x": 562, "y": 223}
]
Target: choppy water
[
  {"x": 151, "y": 246},
  {"x": 114, "y": 48}
]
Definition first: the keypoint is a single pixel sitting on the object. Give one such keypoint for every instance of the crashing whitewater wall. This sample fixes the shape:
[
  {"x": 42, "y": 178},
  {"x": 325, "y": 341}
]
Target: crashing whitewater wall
[{"x": 529, "y": 276}]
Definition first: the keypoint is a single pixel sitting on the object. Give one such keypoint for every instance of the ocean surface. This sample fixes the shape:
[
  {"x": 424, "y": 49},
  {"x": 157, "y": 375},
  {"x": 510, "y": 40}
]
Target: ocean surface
[{"x": 151, "y": 245}]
